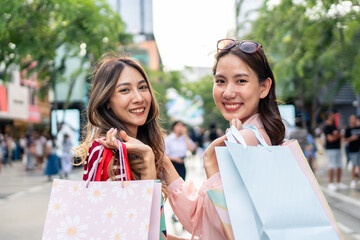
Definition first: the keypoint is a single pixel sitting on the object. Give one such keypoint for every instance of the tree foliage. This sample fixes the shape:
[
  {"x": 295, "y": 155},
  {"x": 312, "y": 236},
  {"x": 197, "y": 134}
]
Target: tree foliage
[
  {"x": 312, "y": 47},
  {"x": 204, "y": 88},
  {"x": 34, "y": 31}
]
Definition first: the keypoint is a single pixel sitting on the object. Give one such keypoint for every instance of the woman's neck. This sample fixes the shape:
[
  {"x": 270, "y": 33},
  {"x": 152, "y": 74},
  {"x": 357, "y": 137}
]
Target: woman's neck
[{"x": 133, "y": 131}]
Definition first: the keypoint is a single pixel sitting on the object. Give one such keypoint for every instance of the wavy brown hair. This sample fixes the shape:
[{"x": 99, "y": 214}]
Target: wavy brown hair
[
  {"x": 101, "y": 119},
  {"x": 268, "y": 107}
]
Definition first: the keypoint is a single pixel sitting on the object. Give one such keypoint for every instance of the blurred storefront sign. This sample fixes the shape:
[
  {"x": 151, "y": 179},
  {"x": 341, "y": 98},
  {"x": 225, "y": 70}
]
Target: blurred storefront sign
[
  {"x": 3, "y": 100},
  {"x": 15, "y": 105},
  {"x": 18, "y": 98},
  {"x": 34, "y": 114}
]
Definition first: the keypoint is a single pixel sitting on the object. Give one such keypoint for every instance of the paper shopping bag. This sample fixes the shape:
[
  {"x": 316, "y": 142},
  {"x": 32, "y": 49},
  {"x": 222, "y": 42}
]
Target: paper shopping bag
[
  {"x": 269, "y": 196},
  {"x": 216, "y": 196},
  {"x": 104, "y": 210}
]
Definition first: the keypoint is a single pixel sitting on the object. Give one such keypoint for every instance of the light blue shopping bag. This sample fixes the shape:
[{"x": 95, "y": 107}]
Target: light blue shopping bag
[{"x": 268, "y": 194}]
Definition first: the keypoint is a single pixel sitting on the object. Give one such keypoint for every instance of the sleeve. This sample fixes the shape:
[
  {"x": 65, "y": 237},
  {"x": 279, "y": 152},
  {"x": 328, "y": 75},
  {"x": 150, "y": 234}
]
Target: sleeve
[
  {"x": 193, "y": 207},
  {"x": 326, "y": 130},
  {"x": 166, "y": 142},
  {"x": 193, "y": 145},
  {"x": 93, "y": 154}
]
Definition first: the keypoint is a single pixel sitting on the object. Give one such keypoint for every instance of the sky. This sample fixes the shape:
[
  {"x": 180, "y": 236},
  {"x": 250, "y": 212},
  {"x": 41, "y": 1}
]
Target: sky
[{"x": 186, "y": 31}]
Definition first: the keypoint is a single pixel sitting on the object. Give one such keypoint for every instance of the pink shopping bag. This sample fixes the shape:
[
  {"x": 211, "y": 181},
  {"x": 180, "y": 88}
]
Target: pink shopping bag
[{"x": 103, "y": 210}]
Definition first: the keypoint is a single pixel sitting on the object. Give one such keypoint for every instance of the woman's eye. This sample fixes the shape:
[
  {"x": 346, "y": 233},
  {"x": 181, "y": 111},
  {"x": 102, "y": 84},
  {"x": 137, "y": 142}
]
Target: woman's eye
[
  {"x": 143, "y": 87},
  {"x": 219, "y": 81},
  {"x": 124, "y": 90},
  {"x": 241, "y": 81}
]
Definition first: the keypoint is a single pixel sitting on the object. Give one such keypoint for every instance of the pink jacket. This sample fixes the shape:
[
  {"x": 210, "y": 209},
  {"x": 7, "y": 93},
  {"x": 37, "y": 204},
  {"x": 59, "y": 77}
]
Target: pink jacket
[{"x": 194, "y": 208}]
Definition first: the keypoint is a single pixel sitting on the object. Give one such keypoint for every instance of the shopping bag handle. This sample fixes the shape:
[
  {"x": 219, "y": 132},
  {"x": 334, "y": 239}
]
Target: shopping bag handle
[
  {"x": 95, "y": 165},
  {"x": 94, "y": 168},
  {"x": 233, "y": 134}
]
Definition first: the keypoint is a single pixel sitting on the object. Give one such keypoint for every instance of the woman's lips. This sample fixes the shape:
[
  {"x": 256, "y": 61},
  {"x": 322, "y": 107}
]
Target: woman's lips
[{"x": 232, "y": 106}]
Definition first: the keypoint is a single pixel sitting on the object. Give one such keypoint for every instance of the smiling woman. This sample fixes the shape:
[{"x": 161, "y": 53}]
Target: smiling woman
[
  {"x": 122, "y": 106},
  {"x": 131, "y": 100}
]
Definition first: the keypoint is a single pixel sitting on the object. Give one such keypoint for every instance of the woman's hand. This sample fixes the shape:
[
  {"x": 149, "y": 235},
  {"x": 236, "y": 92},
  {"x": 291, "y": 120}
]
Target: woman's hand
[
  {"x": 209, "y": 157},
  {"x": 111, "y": 141},
  {"x": 133, "y": 146}
]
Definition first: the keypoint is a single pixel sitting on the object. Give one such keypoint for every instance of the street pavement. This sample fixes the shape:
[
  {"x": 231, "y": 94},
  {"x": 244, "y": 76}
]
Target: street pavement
[{"x": 24, "y": 197}]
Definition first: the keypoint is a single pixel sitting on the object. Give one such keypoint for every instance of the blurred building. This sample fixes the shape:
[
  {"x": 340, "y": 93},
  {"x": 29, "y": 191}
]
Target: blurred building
[
  {"x": 20, "y": 107},
  {"x": 138, "y": 17}
]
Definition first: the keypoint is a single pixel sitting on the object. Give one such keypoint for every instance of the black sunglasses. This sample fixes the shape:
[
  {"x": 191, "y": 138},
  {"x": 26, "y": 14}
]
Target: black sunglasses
[{"x": 245, "y": 46}]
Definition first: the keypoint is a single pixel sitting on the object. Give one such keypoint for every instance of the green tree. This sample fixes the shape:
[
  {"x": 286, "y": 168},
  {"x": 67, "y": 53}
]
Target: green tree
[
  {"x": 203, "y": 88},
  {"x": 311, "y": 46},
  {"x": 161, "y": 81},
  {"x": 35, "y": 30}
]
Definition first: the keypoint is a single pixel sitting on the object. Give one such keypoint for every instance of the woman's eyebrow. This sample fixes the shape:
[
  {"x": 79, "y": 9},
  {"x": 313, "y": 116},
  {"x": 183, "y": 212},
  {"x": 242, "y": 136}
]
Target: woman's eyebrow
[
  {"x": 122, "y": 84},
  {"x": 141, "y": 82},
  {"x": 241, "y": 75},
  {"x": 237, "y": 75},
  {"x": 128, "y": 84}
]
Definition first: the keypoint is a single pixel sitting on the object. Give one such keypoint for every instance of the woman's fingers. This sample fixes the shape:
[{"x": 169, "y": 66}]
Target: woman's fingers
[
  {"x": 111, "y": 141},
  {"x": 124, "y": 136},
  {"x": 237, "y": 123}
]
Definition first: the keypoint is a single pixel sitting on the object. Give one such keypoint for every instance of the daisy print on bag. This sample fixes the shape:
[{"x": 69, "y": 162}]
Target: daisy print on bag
[
  {"x": 131, "y": 215},
  {"x": 110, "y": 214},
  {"x": 118, "y": 234},
  {"x": 147, "y": 191},
  {"x": 57, "y": 206},
  {"x": 96, "y": 194},
  {"x": 71, "y": 229},
  {"x": 125, "y": 189},
  {"x": 57, "y": 186},
  {"x": 144, "y": 228},
  {"x": 75, "y": 190}
]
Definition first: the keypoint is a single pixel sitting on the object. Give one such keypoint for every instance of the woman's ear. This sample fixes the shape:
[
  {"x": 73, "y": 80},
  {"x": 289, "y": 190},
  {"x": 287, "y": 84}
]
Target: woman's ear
[{"x": 265, "y": 87}]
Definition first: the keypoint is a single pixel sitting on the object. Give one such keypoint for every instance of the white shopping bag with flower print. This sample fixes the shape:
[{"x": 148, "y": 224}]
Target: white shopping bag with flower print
[{"x": 103, "y": 210}]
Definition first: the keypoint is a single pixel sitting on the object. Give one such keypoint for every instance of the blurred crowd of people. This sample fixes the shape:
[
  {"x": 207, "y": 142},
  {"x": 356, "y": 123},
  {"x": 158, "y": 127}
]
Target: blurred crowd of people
[
  {"x": 37, "y": 151},
  {"x": 328, "y": 136},
  {"x": 41, "y": 151},
  {"x": 333, "y": 139}
]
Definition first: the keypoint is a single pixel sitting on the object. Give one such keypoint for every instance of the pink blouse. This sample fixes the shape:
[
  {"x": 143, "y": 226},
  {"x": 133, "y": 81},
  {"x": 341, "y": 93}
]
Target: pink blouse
[{"x": 194, "y": 208}]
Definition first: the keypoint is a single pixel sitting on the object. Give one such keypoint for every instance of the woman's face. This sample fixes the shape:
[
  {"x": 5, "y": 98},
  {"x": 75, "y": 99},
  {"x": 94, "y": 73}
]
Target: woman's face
[
  {"x": 236, "y": 89},
  {"x": 131, "y": 99}
]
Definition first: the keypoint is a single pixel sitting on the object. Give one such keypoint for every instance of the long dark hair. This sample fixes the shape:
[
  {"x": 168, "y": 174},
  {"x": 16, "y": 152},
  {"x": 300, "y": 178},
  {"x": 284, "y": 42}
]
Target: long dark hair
[
  {"x": 101, "y": 118},
  {"x": 268, "y": 106}
]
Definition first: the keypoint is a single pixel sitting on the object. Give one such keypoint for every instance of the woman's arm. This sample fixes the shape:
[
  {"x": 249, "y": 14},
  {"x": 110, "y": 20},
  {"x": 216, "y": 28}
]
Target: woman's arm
[{"x": 170, "y": 174}]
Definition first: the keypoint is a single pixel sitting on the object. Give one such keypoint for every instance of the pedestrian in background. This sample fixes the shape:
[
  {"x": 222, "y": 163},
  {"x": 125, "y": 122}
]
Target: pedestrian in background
[
  {"x": 310, "y": 152},
  {"x": 22, "y": 144},
  {"x": 352, "y": 133},
  {"x": 1, "y": 151},
  {"x": 213, "y": 132},
  {"x": 300, "y": 134},
  {"x": 52, "y": 166},
  {"x": 177, "y": 144},
  {"x": 39, "y": 143},
  {"x": 332, "y": 149},
  {"x": 66, "y": 156},
  {"x": 29, "y": 151}
]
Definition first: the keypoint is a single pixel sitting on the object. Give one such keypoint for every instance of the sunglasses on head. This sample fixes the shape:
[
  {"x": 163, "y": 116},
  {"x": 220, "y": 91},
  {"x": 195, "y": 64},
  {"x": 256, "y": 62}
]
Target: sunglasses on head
[{"x": 245, "y": 46}]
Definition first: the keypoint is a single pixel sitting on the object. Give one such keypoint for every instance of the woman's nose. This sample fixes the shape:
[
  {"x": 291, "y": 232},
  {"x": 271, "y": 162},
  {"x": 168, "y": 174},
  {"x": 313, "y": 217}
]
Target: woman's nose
[
  {"x": 229, "y": 92},
  {"x": 138, "y": 98}
]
